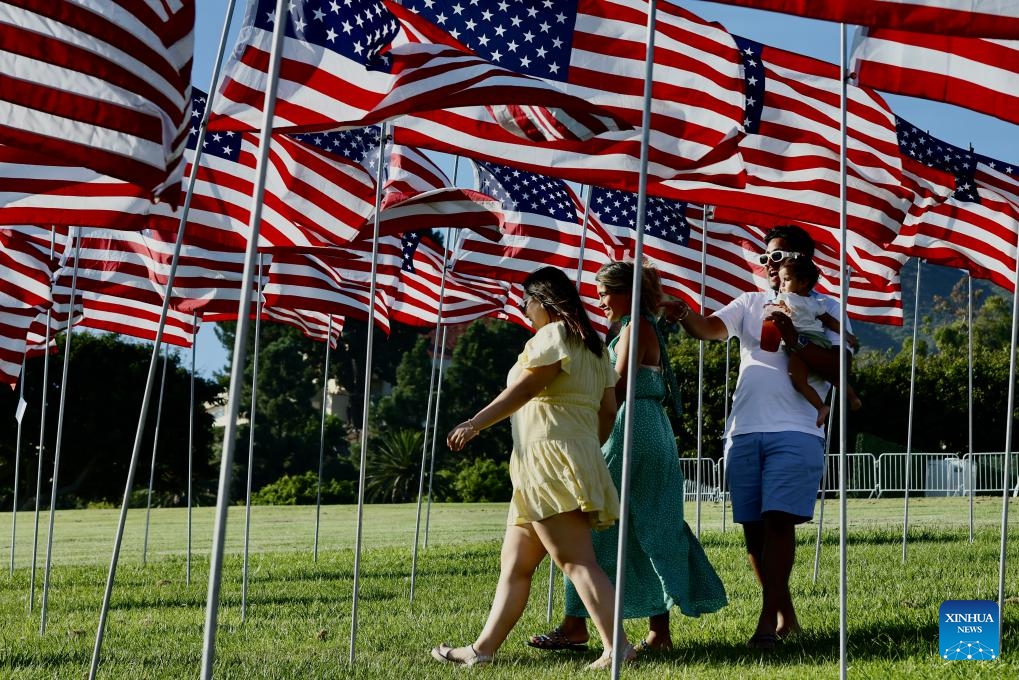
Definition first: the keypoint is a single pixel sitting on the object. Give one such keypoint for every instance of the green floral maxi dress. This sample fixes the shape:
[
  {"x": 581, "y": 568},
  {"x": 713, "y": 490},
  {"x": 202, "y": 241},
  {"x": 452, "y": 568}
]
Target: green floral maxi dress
[{"x": 665, "y": 563}]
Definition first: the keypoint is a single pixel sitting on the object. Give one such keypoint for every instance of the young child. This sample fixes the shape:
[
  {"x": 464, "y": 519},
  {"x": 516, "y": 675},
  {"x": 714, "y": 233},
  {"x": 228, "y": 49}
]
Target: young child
[{"x": 810, "y": 317}]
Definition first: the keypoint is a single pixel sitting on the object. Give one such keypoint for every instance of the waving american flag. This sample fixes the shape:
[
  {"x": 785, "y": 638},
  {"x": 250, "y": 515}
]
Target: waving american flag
[
  {"x": 595, "y": 49},
  {"x": 986, "y": 18}
]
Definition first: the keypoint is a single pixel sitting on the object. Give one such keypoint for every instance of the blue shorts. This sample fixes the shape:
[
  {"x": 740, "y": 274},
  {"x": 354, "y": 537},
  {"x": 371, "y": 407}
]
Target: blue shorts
[{"x": 773, "y": 471}]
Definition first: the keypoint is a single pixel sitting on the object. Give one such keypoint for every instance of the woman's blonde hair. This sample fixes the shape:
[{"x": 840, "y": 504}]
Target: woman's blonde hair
[{"x": 617, "y": 277}]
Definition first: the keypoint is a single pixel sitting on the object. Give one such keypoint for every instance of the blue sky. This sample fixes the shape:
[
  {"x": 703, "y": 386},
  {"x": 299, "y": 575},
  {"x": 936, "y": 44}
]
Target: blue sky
[{"x": 989, "y": 136}]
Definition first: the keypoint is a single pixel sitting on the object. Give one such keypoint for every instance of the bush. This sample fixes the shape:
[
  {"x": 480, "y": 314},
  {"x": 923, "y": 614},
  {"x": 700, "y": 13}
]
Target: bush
[
  {"x": 303, "y": 490},
  {"x": 483, "y": 481}
]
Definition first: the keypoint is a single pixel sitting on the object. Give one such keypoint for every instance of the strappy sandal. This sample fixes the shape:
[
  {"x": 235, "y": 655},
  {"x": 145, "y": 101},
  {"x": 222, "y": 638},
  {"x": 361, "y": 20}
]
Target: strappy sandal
[
  {"x": 460, "y": 656},
  {"x": 555, "y": 639}
]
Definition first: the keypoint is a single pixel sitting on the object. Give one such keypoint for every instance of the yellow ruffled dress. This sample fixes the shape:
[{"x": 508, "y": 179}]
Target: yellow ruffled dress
[{"x": 557, "y": 465}]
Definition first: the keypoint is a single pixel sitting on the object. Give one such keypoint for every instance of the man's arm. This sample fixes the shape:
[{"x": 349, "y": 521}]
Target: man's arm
[{"x": 700, "y": 327}]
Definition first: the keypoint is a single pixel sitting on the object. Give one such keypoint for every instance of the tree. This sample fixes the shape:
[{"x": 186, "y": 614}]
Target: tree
[
  {"x": 106, "y": 380},
  {"x": 407, "y": 405},
  {"x": 477, "y": 372},
  {"x": 288, "y": 407}
]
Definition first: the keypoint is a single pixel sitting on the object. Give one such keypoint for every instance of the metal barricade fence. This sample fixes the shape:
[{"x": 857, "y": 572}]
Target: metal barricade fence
[
  {"x": 984, "y": 471},
  {"x": 710, "y": 479},
  {"x": 940, "y": 474}
]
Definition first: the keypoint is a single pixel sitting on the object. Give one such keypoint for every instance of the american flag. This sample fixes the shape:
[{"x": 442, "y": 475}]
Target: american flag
[
  {"x": 134, "y": 266},
  {"x": 315, "y": 325},
  {"x": 595, "y": 49},
  {"x": 666, "y": 230},
  {"x": 975, "y": 73},
  {"x": 26, "y": 266},
  {"x": 975, "y": 229},
  {"x": 15, "y": 320},
  {"x": 792, "y": 148},
  {"x": 542, "y": 226},
  {"x": 986, "y": 18},
  {"x": 417, "y": 195},
  {"x": 336, "y": 280},
  {"x": 102, "y": 84},
  {"x": 417, "y": 301},
  {"x": 1000, "y": 177},
  {"x": 318, "y": 189},
  {"x": 357, "y": 63},
  {"x": 36, "y": 188}
]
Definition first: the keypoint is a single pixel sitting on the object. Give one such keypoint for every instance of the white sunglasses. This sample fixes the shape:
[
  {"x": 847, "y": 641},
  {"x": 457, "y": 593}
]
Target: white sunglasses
[{"x": 777, "y": 256}]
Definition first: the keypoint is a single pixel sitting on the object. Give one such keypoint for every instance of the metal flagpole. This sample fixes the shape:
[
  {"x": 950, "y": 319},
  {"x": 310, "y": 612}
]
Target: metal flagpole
[
  {"x": 155, "y": 447},
  {"x": 969, "y": 394},
  {"x": 42, "y": 437},
  {"x": 240, "y": 347},
  {"x": 438, "y": 387},
  {"x": 909, "y": 427},
  {"x": 367, "y": 390},
  {"x": 60, "y": 435},
  {"x": 251, "y": 442},
  {"x": 435, "y": 430},
  {"x": 428, "y": 417},
  {"x": 191, "y": 445},
  {"x": 843, "y": 359},
  {"x": 150, "y": 380},
  {"x": 322, "y": 436},
  {"x": 19, "y": 416},
  {"x": 631, "y": 375},
  {"x": 700, "y": 366},
  {"x": 824, "y": 483},
  {"x": 1007, "y": 467},
  {"x": 725, "y": 419}
]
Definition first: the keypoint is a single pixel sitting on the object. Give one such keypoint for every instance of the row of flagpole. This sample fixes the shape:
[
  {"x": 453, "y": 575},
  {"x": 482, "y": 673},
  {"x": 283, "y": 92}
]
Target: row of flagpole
[{"x": 239, "y": 360}]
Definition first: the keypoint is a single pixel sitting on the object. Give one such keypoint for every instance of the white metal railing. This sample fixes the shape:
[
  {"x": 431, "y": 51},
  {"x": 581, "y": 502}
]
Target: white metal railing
[
  {"x": 932, "y": 474},
  {"x": 862, "y": 474},
  {"x": 710, "y": 479}
]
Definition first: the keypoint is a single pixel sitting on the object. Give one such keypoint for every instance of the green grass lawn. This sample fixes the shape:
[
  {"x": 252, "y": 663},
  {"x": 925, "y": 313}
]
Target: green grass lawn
[{"x": 298, "y": 621}]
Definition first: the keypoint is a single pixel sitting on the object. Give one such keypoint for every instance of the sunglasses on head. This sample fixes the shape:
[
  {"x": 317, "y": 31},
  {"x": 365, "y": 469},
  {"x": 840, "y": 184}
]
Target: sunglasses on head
[{"x": 776, "y": 256}]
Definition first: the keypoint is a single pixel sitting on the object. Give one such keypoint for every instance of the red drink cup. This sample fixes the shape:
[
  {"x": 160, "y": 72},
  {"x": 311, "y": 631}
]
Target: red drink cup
[{"x": 771, "y": 336}]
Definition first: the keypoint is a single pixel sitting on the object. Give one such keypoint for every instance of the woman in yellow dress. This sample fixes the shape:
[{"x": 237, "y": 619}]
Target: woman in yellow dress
[{"x": 561, "y": 404}]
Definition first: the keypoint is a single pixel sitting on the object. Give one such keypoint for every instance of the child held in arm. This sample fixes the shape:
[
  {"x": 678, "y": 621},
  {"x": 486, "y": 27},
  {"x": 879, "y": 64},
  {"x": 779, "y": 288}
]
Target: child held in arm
[{"x": 809, "y": 315}]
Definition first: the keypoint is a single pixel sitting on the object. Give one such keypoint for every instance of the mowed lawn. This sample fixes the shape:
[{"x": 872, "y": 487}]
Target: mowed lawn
[{"x": 298, "y": 619}]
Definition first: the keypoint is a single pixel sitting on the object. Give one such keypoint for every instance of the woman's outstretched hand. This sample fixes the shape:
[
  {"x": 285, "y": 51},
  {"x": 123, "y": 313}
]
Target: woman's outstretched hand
[{"x": 460, "y": 435}]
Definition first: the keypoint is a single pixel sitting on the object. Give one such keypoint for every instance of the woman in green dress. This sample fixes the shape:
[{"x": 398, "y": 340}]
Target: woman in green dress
[{"x": 665, "y": 563}]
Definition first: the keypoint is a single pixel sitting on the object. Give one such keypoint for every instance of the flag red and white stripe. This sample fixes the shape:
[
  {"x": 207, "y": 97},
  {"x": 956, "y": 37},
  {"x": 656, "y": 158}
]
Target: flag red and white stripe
[
  {"x": 982, "y": 18},
  {"x": 974, "y": 73},
  {"x": 362, "y": 62},
  {"x": 598, "y": 54},
  {"x": 102, "y": 84}
]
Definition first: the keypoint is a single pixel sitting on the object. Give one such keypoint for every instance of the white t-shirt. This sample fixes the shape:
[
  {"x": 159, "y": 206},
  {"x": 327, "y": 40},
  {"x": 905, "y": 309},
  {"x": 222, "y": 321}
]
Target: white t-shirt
[
  {"x": 804, "y": 311},
  {"x": 765, "y": 399}
]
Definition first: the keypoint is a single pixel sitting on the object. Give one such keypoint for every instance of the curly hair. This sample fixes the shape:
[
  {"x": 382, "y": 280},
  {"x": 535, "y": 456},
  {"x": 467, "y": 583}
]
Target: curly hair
[
  {"x": 796, "y": 238},
  {"x": 554, "y": 291},
  {"x": 803, "y": 269},
  {"x": 617, "y": 277}
]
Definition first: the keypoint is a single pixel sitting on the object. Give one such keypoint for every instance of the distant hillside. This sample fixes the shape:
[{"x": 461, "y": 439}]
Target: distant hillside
[{"x": 935, "y": 282}]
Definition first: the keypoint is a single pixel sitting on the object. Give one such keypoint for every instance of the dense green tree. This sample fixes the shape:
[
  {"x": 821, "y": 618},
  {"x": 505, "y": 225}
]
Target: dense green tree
[
  {"x": 407, "y": 405},
  {"x": 105, "y": 384},
  {"x": 477, "y": 372},
  {"x": 287, "y": 410}
]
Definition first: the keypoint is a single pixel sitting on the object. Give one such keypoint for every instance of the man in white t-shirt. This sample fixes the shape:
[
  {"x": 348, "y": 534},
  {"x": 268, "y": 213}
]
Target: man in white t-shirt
[{"x": 774, "y": 449}]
